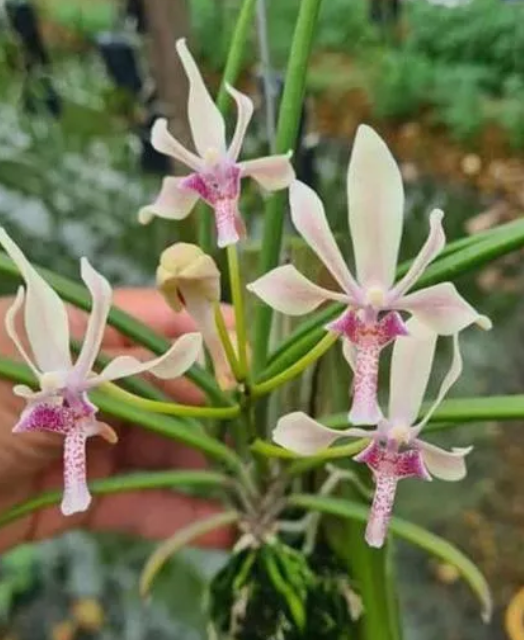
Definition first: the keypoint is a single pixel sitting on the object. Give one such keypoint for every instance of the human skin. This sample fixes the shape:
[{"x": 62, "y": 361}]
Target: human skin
[{"x": 32, "y": 462}]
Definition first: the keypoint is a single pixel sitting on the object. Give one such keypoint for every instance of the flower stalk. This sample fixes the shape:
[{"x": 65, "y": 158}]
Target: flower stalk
[
  {"x": 238, "y": 304},
  {"x": 170, "y": 408},
  {"x": 263, "y": 388}
]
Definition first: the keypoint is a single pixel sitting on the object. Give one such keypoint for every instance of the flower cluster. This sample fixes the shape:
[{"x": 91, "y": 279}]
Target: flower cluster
[{"x": 378, "y": 310}]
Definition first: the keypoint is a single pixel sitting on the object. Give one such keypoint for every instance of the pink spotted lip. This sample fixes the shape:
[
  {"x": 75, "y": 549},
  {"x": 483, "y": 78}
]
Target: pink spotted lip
[{"x": 369, "y": 338}]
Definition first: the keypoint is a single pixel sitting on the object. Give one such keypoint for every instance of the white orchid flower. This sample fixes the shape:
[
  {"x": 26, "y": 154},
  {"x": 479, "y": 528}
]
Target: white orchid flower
[
  {"x": 395, "y": 451},
  {"x": 61, "y": 405},
  {"x": 217, "y": 171},
  {"x": 376, "y": 202}
]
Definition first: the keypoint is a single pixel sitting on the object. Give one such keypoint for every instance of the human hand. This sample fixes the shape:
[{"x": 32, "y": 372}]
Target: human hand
[{"x": 31, "y": 462}]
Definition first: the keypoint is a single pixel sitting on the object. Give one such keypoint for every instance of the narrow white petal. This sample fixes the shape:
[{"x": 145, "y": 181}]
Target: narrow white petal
[
  {"x": 411, "y": 364},
  {"x": 432, "y": 247},
  {"x": 205, "y": 120},
  {"x": 376, "y": 205},
  {"x": 101, "y": 295},
  {"x": 309, "y": 218},
  {"x": 164, "y": 142},
  {"x": 45, "y": 314},
  {"x": 303, "y": 435},
  {"x": 10, "y": 327},
  {"x": 288, "y": 291},
  {"x": 442, "y": 309},
  {"x": 272, "y": 172},
  {"x": 172, "y": 202},
  {"x": 244, "y": 114},
  {"x": 454, "y": 371},
  {"x": 446, "y": 465},
  {"x": 172, "y": 364},
  {"x": 23, "y": 391}
]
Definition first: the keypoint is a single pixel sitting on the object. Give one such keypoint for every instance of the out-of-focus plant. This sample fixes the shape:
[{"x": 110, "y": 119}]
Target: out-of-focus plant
[{"x": 301, "y": 567}]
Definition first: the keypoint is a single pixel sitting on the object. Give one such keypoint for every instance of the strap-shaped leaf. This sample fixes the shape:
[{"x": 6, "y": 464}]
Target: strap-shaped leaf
[
  {"x": 412, "y": 533},
  {"x": 121, "y": 484},
  {"x": 456, "y": 411}
]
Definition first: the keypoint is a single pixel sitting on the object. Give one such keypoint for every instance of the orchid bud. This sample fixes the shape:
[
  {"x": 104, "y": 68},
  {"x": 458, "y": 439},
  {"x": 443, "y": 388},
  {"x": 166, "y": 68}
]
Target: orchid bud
[{"x": 185, "y": 269}]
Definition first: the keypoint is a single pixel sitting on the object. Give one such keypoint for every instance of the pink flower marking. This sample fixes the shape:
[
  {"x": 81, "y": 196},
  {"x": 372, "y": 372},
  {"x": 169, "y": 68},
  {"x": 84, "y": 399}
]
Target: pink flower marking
[
  {"x": 219, "y": 186},
  {"x": 369, "y": 336}
]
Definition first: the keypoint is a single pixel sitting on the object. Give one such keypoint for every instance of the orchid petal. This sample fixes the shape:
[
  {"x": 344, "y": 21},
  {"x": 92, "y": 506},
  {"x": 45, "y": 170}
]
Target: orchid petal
[
  {"x": 376, "y": 203},
  {"x": 301, "y": 434},
  {"x": 172, "y": 364},
  {"x": 411, "y": 364},
  {"x": 101, "y": 294},
  {"x": 76, "y": 493},
  {"x": 442, "y": 308},
  {"x": 349, "y": 351},
  {"x": 46, "y": 320},
  {"x": 10, "y": 326},
  {"x": 165, "y": 143},
  {"x": 45, "y": 416},
  {"x": 272, "y": 172},
  {"x": 244, "y": 114},
  {"x": 288, "y": 291},
  {"x": 381, "y": 509},
  {"x": 309, "y": 218},
  {"x": 229, "y": 225},
  {"x": 446, "y": 465},
  {"x": 454, "y": 371},
  {"x": 23, "y": 391},
  {"x": 203, "y": 313},
  {"x": 432, "y": 247},
  {"x": 173, "y": 202},
  {"x": 206, "y": 121}
]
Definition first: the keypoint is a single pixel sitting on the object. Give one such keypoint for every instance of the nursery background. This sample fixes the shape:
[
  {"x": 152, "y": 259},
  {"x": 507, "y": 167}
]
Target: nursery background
[{"x": 81, "y": 82}]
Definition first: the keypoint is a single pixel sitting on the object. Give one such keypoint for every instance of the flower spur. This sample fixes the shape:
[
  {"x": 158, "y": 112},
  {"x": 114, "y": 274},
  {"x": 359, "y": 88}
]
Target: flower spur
[
  {"x": 372, "y": 319},
  {"x": 217, "y": 171},
  {"x": 394, "y": 450},
  {"x": 61, "y": 405}
]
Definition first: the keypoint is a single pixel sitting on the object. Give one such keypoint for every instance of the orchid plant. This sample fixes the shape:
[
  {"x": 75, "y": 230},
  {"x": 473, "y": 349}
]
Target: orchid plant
[{"x": 268, "y": 488}]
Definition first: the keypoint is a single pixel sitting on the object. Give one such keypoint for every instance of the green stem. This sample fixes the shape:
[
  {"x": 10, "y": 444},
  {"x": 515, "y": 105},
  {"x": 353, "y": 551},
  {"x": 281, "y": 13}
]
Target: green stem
[
  {"x": 295, "y": 369},
  {"x": 119, "y": 484},
  {"x": 181, "y": 539},
  {"x": 226, "y": 342},
  {"x": 231, "y": 72},
  {"x": 287, "y": 131},
  {"x": 170, "y": 408},
  {"x": 238, "y": 304}
]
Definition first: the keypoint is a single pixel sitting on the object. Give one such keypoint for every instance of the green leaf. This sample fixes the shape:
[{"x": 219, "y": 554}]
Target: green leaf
[
  {"x": 456, "y": 411},
  {"x": 437, "y": 546},
  {"x": 120, "y": 484},
  {"x": 458, "y": 258},
  {"x": 173, "y": 428},
  {"x": 126, "y": 324}
]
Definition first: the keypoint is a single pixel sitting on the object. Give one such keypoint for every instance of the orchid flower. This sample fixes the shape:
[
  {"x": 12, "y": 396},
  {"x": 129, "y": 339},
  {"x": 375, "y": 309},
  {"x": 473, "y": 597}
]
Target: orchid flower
[
  {"x": 61, "y": 405},
  {"x": 395, "y": 450},
  {"x": 190, "y": 279},
  {"x": 216, "y": 170},
  {"x": 371, "y": 321}
]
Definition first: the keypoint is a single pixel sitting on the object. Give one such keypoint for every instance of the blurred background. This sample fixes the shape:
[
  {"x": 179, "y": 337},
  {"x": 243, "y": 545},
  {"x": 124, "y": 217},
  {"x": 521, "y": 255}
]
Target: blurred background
[{"x": 81, "y": 82}]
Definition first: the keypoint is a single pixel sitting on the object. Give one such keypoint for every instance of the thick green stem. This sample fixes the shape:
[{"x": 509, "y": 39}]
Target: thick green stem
[
  {"x": 238, "y": 304},
  {"x": 287, "y": 131},
  {"x": 296, "y": 369},
  {"x": 232, "y": 69},
  {"x": 170, "y": 408}
]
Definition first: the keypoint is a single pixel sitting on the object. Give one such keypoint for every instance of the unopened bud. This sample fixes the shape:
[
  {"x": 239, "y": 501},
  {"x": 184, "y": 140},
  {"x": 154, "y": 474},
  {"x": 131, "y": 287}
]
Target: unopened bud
[{"x": 184, "y": 270}]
